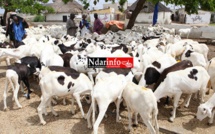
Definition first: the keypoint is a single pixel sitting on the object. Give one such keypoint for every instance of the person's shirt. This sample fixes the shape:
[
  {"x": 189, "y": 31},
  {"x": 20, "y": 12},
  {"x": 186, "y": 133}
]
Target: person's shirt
[
  {"x": 19, "y": 30},
  {"x": 84, "y": 23},
  {"x": 98, "y": 25},
  {"x": 70, "y": 24}
]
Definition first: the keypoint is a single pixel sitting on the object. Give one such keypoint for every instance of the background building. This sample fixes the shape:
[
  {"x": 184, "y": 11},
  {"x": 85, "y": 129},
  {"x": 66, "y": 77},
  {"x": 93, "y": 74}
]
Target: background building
[
  {"x": 146, "y": 14},
  {"x": 62, "y": 11},
  {"x": 203, "y": 17}
]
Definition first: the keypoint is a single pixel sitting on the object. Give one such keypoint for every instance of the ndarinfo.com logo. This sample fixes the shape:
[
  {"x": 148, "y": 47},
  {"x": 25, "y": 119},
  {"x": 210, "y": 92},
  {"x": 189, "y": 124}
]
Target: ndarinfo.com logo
[{"x": 110, "y": 62}]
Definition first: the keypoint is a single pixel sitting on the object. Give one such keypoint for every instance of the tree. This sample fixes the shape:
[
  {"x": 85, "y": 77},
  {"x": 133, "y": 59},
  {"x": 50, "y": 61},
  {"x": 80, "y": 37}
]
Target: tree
[
  {"x": 24, "y": 6},
  {"x": 191, "y": 6}
]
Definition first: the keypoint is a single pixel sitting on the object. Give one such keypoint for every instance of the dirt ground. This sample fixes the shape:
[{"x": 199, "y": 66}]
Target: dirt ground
[{"x": 26, "y": 120}]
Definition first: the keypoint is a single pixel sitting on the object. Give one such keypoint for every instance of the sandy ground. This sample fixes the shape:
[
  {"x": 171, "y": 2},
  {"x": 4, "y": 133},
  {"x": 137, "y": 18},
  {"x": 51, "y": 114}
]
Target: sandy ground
[{"x": 26, "y": 120}]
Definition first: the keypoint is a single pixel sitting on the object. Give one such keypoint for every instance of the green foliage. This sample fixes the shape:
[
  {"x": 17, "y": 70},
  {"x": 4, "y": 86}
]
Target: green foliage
[
  {"x": 39, "y": 18},
  {"x": 65, "y": 1},
  {"x": 121, "y": 3},
  {"x": 87, "y": 4},
  {"x": 26, "y": 6},
  {"x": 192, "y": 6}
]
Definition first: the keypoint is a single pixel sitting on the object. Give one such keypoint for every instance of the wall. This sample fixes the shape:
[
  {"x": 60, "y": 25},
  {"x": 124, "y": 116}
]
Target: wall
[
  {"x": 201, "y": 18},
  {"x": 58, "y": 17},
  {"x": 163, "y": 18}
]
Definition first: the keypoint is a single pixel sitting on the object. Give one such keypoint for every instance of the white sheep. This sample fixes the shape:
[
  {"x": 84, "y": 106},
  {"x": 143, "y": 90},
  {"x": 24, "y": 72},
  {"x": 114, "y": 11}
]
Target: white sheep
[
  {"x": 141, "y": 100},
  {"x": 188, "y": 81}
]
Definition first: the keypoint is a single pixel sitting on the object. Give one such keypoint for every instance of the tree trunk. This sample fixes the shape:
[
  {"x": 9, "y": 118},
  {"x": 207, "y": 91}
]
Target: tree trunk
[
  {"x": 4, "y": 17},
  {"x": 134, "y": 14}
]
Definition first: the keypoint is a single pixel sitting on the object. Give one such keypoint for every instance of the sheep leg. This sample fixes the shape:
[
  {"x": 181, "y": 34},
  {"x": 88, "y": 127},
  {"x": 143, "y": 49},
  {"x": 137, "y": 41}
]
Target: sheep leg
[
  {"x": 53, "y": 101},
  {"x": 188, "y": 34},
  {"x": 196, "y": 95},
  {"x": 186, "y": 101},
  {"x": 50, "y": 105},
  {"x": 44, "y": 110},
  {"x": 175, "y": 104},
  {"x": 64, "y": 101},
  {"x": 102, "y": 109},
  {"x": 148, "y": 123},
  {"x": 89, "y": 125},
  {"x": 8, "y": 62},
  {"x": 129, "y": 119},
  {"x": 16, "y": 94},
  {"x": 72, "y": 107},
  {"x": 155, "y": 112},
  {"x": 41, "y": 107},
  {"x": 5, "y": 94},
  {"x": 136, "y": 121},
  {"x": 209, "y": 87},
  {"x": 118, "y": 118},
  {"x": 22, "y": 87},
  {"x": 77, "y": 97},
  {"x": 202, "y": 94},
  {"x": 28, "y": 87},
  {"x": 212, "y": 118}
]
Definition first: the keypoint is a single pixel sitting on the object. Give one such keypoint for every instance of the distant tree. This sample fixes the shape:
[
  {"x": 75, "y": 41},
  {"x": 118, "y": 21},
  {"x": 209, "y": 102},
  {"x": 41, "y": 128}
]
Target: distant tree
[
  {"x": 24, "y": 6},
  {"x": 191, "y": 6}
]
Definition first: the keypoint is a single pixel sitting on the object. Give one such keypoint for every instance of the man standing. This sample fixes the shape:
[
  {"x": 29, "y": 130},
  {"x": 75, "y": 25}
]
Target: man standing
[
  {"x": 84, "y": 25},
  {"x": 98, "y": 25},
  {"x": 71, "y": 26},
  {"x": 16, "y": 30}
]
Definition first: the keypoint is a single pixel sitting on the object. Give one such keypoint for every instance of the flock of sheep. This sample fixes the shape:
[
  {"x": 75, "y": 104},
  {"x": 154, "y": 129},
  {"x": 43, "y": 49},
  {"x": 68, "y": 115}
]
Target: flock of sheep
[{"x": 164, "y": 66}]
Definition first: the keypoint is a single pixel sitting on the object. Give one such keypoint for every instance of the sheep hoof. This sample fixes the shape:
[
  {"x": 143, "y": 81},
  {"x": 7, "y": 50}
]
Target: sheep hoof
[
  {"x": 6, "y": 109},
  {"x": 20, "y": 107},
  {"x": 106, "y": 116},
  {"x": 186, "y": 106},
  {"x": 134, "y": 125},
  {"x": 89, "y": 126},
  {"x": 209, "y": 124},
  {"x": 171, "y": 120},
  {"x": 85, "y": 117},
  {"x": 64, "y": 102},
  {"x": 27, "y": 96},
  {"x": 118, "y": 120},
  {"x": 56, "y": 115},
  {"x": 43, "y": 122},
  {"x": 73, "y": 111},
  {"x": 129, "y": 129}
]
